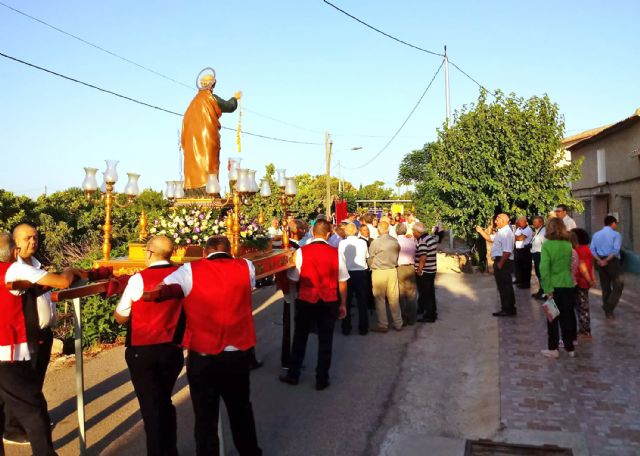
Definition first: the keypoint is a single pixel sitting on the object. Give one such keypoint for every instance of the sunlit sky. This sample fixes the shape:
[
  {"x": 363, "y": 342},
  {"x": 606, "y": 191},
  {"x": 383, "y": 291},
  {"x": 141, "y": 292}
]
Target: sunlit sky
[{"x": 300, "y": 62}]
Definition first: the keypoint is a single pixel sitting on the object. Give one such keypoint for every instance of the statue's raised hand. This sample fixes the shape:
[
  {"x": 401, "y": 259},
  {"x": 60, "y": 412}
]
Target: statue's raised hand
[{"x": 237, "y": 95}]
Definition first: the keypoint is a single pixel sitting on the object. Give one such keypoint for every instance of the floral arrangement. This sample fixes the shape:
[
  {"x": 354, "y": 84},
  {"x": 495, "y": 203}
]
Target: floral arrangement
[
  {"x": 193, "y": 226},
  {"x": 189, "y": 226},
  {"x": 253, "y": 235}
]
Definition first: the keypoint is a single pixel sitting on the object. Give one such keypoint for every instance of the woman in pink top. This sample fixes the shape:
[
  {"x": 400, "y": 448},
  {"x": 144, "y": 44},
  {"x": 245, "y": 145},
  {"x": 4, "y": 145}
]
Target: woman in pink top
[
  {"x": 407, "y": 276},
  {"x": 585, "y": 279}
]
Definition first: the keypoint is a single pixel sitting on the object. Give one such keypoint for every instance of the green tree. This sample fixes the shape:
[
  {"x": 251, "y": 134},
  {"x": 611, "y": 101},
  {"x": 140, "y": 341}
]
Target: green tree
[{"x": 499, "y": 156}]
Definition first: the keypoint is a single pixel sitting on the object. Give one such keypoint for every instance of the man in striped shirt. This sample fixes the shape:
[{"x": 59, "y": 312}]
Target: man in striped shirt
[{"x": 426, "y": 266}]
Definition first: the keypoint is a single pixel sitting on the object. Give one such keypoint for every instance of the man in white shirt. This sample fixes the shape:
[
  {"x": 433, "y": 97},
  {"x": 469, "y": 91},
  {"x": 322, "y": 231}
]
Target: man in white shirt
[
  {"x": 562, "y": 211},
  {"x": 356, "y": 252},
  {"x": 373, "y": 231},
  {"x": 523, "y": 236},
  {"x": 536, "y": 249},
  {"x": 21, "y": 360},
  {"x": 502, "y": 254}
]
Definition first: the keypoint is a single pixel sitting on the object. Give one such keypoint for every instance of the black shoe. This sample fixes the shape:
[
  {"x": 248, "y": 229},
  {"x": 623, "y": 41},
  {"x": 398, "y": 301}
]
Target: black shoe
[
  {"x": 15, "y": 439},
  {"x": 363, "y": 332},
  {"x": 426, "y": 320},
  {"x": 504, "y": 313},
  {"x": 322, "y": 384},
  {"x": 286, "y": 378},
  {"x": 524, "y": 286},
  {"x": 255, "y": 364},
  {"x": 346, "y": 333}
]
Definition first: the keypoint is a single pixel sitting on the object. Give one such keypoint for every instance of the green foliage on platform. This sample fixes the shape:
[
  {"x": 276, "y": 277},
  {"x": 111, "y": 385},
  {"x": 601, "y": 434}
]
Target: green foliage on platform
[{"x": 500, "y": 155}]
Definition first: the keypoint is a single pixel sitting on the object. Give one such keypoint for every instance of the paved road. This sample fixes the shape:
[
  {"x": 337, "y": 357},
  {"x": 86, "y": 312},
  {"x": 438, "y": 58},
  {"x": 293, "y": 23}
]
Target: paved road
[
  {"x": 386, "y": 388},
  {"x": 421, "y": 391}
]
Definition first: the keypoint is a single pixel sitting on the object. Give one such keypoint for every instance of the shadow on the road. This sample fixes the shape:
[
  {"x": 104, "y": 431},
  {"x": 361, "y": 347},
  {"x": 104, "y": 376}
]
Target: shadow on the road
[
  {"x": 68, "y": 407},
  {"x": 99, "y": 446}
]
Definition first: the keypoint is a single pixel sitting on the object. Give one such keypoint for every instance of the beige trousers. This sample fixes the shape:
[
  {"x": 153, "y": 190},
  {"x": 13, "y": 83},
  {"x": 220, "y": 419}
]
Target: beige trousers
[
  {"x": 385, "y": 286},
  {"x": 408, "y": 293}
]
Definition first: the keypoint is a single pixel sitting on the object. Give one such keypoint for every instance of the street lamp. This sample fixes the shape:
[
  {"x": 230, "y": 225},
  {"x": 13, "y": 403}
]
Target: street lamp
[{"x": 110, "y": 177}]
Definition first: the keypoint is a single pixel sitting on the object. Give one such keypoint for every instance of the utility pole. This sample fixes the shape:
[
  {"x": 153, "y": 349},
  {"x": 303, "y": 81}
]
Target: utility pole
[
  {"x": 328, "y": 146},
  {"x": 447, "y": 97},
  {"x": 340, "y": 184}
]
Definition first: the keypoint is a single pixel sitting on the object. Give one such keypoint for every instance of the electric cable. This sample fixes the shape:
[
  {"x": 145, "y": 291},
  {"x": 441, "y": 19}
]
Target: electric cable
[
  {"x": 403, "y": 123},
  {"x": 110, "y": 92},
  {"x": 380, "y": 31},
  {"x": 143, "y": 67}
]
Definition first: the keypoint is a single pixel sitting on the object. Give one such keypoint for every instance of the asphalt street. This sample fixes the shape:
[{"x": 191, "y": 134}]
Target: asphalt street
[{"x": 395, "y": 393}]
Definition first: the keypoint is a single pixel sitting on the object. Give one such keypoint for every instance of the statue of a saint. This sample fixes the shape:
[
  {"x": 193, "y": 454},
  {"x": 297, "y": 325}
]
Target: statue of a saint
[{"x": 201, "y": 132}]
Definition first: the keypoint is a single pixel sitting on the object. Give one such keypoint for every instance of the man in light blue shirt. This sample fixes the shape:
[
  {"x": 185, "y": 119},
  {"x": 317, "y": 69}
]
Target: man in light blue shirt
[{"x": 605, "y": 247}]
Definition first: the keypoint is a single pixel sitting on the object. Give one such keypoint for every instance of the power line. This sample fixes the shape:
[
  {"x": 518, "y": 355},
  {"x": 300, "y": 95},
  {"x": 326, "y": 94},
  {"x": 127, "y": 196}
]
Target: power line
[
  {"x": 380, "y": 31},
  {"x": 110, "y": 92},
  {"x": 406, "y": 43},
  {"x": 145, "y": 68},
  {"x": 100, "y": 48},
  {"x": 467, "y": 75},
  {"x": 403, "y": 123}
]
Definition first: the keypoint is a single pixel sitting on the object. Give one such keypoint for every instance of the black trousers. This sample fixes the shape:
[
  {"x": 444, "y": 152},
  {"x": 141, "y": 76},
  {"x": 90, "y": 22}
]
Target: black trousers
[
  {"x": 426, "y": 284},
  {"x": 154, "y": 370},
  {"x": 225, "y": 376},
  {"x": 505, "y": 285},
  {"x": 12, "y": 424},
  {"x": 536, "y": 266},
  {"x": 285, "y": 351},
  {"x": 20, "y": 389},
  {"x": 612, "y": 284},
  {"x": 565, "y": 299},
  {"x": 324, "y": 315},
  {"x": 358, "y": 286},
  {"x": 523, "y": 267}
]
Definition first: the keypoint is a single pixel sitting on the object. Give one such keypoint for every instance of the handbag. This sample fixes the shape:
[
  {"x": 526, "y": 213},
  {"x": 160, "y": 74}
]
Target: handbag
[{"x": 550, "y": 309}]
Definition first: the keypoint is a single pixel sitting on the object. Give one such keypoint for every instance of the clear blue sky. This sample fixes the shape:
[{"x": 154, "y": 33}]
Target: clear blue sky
[{"x": 301, "y": 62}]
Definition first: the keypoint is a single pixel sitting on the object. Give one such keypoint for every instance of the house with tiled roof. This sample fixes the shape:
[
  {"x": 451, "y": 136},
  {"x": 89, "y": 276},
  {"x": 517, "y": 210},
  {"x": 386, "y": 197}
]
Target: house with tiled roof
[{"x": 610, "y": 182}]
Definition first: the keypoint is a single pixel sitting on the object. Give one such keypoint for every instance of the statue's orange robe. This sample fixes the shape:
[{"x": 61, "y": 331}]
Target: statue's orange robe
[{"x": 201, "y": 137}]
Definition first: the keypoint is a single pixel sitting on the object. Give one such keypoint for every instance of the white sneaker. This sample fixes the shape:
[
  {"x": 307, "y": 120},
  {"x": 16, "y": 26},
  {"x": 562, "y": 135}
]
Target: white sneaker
[
  {"x": 572, "y": 354},
  {"x": 550, "y": 353}
]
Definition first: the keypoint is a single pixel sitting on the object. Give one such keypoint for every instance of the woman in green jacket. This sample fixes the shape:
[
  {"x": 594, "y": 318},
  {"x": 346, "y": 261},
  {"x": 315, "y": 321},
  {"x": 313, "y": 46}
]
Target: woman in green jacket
[{"x": 557, "y": 283}]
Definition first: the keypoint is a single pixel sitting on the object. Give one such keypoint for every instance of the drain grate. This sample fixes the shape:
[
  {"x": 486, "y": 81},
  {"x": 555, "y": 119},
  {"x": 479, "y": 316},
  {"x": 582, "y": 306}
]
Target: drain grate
[{"x": 489, "y": 448}]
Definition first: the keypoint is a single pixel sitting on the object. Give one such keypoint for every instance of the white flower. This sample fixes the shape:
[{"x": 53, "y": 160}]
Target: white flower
[{"x": 152, "y": 230}]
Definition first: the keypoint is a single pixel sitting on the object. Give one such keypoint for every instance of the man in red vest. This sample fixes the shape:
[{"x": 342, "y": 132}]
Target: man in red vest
[
  {"x": 321, "y": 273},
  {"x": 20, "y": 336},
  {"x": 219, "y": 335},
  {"x": 154, "y": 352}
]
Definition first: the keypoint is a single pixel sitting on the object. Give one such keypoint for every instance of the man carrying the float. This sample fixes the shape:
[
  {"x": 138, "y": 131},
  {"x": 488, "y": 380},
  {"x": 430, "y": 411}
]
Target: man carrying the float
[
  {"x": 154, "y": 352},
  {"x": 21, "y": 319},
  {"x": 201, "y": 133},
  {"x": 322, "y": 275},
  {"x": 219, "y": 335}
]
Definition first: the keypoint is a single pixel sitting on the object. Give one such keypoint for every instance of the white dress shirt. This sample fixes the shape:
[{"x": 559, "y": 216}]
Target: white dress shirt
[
  {"x": 183, "y": 276},
  {"x": 343, "y": 273},
  {"x": 527, "y": 232},
  {"x": 503, "y": 241},
  {"x": 355, "y": 252},
  {"x": 392, "y": 231},
  {"x": 538, "y": 240},
  {"x": 133, "y": 291},
  {"x": 23, "y": 271},
  {"x": 373, "y": 231},
  {"x": 569, "y": 222}
]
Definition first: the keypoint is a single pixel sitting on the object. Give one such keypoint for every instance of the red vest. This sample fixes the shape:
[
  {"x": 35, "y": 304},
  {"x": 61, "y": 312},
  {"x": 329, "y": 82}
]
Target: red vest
[
  {"x": 154, "y": 322},
  {"x": 319, "y": 273},
  {"x": 218, "y": 308},
  {"x": 12, "y": 323}
]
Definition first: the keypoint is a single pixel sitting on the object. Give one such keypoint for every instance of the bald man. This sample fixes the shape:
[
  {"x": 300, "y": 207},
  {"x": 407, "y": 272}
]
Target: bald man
[
  {"x": 24, "y": 348},
  {"x": 502, "y": 254},
  {"x": 154, "y": 352}
]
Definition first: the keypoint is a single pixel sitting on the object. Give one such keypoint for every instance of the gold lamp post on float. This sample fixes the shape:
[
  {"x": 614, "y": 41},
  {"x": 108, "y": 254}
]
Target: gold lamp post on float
[
  {"x": 110, "y": 176},
  {"x": 243, "y": 188}
]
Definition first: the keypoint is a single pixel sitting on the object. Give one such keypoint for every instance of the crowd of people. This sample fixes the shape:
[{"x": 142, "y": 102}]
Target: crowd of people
[
  {"x": 379, "y": 271},
  {"x": 563, "y": 258}
]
